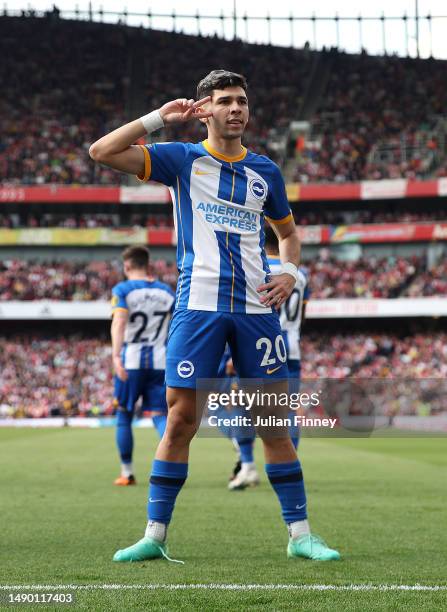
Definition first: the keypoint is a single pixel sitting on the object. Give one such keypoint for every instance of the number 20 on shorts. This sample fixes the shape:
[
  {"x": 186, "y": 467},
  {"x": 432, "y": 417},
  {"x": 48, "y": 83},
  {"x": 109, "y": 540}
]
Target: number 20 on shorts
[{"x": 266, "y": 345}]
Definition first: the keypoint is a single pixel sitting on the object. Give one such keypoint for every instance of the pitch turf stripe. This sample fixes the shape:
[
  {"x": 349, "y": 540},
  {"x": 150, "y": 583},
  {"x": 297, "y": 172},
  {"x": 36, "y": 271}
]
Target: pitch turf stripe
[{"x": 224, "y": 587}]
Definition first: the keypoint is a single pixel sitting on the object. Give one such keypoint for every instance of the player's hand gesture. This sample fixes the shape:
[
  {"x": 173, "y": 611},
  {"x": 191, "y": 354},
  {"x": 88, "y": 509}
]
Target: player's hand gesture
[
  {"x": 278, "y": 290},
  {"x": 119, "y": 369},
  {"x": 182, "y": 110}
]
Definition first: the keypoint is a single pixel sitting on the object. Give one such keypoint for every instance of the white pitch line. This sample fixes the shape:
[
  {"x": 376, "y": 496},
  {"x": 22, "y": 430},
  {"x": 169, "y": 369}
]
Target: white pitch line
[{"x": 223, "y": 587}]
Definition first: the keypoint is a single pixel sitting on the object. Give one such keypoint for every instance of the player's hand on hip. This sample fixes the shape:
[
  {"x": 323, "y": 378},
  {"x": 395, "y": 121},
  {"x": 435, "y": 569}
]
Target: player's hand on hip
[
  {"x": 278, "y": 290},
  {"x": 119, "y": 369},
  {"x": 183, "y": 110}
]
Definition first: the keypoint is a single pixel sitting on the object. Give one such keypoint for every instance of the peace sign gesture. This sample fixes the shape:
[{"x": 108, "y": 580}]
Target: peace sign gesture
[{"x": 182, "y": 110}]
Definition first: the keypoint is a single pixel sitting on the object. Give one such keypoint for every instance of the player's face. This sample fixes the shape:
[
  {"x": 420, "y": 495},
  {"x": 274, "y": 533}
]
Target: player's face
[{"x": 230, "y": 112}]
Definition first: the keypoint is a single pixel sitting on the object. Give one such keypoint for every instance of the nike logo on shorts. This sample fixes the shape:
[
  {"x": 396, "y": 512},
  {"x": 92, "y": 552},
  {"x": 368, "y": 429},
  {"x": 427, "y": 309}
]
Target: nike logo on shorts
[{"x": 272, "y": 370}]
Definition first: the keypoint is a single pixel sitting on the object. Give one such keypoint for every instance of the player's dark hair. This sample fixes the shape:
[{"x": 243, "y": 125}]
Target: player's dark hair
[
  {"x": 137, "y": 255},
  {"x": 271, "y": 240},
  {"x": 219, "y": 79}
]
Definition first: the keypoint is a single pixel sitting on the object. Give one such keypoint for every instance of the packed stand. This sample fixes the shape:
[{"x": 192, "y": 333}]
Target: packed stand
[
  {"x": 57, "y": 98},
  {"x": 166, "y": 221},
  {"x": 67, "y": 280},
  {"x": 64, "y": 376},
  {"x": 55, "y": 104},
  {"x": 367, "y": 277},
  {"x": 432, "y": 282},
  {"x": 85, "y": 221},
  {"x": 349, "y": 217},
  {"x": 394, "y": 375},
  {"x": 374, "y": 108},
  {"x": 72, "y": 376}
]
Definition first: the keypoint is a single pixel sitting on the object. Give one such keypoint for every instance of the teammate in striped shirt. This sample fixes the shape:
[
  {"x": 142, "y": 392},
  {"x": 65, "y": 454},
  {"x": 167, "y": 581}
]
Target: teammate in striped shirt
[
  {"x": 221, "y": 194},
  {"x": 141, "y": 311}
]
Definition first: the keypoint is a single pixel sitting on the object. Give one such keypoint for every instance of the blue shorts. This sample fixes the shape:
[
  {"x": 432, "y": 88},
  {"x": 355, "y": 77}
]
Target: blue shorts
[
  {"x": 147, "y": 384},
  {"x": 197, "y": 342}
]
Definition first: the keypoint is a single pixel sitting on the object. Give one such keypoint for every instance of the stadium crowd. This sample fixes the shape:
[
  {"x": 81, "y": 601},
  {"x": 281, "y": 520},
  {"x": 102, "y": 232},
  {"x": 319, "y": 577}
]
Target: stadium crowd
[
  {"x": 348, "y": 217},
  {"x": 77, "y": 281},
  {"x": 73, "y": 375},
  {"x": 85, "y": 220},
  {"x": 367, "y": 277},
  {"x": 380, "y": 117},
  {"x": 43, "y": 377},
  {"x": 59, "y": 98},
  {"x": 23, "y": 219}
]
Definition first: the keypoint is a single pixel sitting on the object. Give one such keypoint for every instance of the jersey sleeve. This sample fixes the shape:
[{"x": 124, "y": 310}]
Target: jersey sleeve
[
  {"x": 163, "y": 162},
  {"x": 277, "y": 208},
  {"x": 118, "y": 301}
]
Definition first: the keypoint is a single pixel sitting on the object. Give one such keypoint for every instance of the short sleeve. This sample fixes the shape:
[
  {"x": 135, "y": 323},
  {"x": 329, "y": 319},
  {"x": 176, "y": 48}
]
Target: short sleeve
[
  {"x": 163, "y": 162},
  {"x": 277, "y": 208},
  {"x": 118, "y": 301}
]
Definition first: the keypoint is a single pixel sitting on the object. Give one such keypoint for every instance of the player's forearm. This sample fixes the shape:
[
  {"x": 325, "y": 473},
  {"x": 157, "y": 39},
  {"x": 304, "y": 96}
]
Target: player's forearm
[
  {"x": 117, "y": 141},
  {"x": 290, "y": 248},
  {"x": 117, "y": 334}
]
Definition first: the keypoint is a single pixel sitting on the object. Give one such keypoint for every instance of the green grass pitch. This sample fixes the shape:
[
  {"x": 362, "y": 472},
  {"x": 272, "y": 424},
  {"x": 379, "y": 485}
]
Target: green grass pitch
[{"x": 381, "y": 502}]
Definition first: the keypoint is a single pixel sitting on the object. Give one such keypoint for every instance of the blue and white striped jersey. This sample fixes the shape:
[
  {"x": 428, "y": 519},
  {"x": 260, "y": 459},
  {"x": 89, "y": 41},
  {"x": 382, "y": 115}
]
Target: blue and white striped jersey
[
  {"x": 291, "y": 313},
  {"x": 150, "y": 305},
  {"x": 219, "y": 207}
]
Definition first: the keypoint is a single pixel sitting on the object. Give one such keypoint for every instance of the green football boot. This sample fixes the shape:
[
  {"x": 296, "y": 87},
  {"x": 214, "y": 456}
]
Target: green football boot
[
  {"x": 311, "y": 547},
  {"x": 143, "y": 550}
]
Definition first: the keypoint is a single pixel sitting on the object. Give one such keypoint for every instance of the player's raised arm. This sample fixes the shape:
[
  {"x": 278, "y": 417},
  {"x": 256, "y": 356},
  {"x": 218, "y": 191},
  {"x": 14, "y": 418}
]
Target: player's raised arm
[
  {"x": 117, "y": 149},
  {"x": 281, "y": 286}
]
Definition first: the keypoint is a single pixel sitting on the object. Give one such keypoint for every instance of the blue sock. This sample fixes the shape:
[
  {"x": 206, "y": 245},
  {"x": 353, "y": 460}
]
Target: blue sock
[
  {"x": 124, "y": 437},
  {"x": 159, "y": 422},
  {"x": 295, "y": 441},
  {"x": 287, "y": 481},
  {"x": 166, "y": 480},
  {"x": 246, "y": 449}
]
